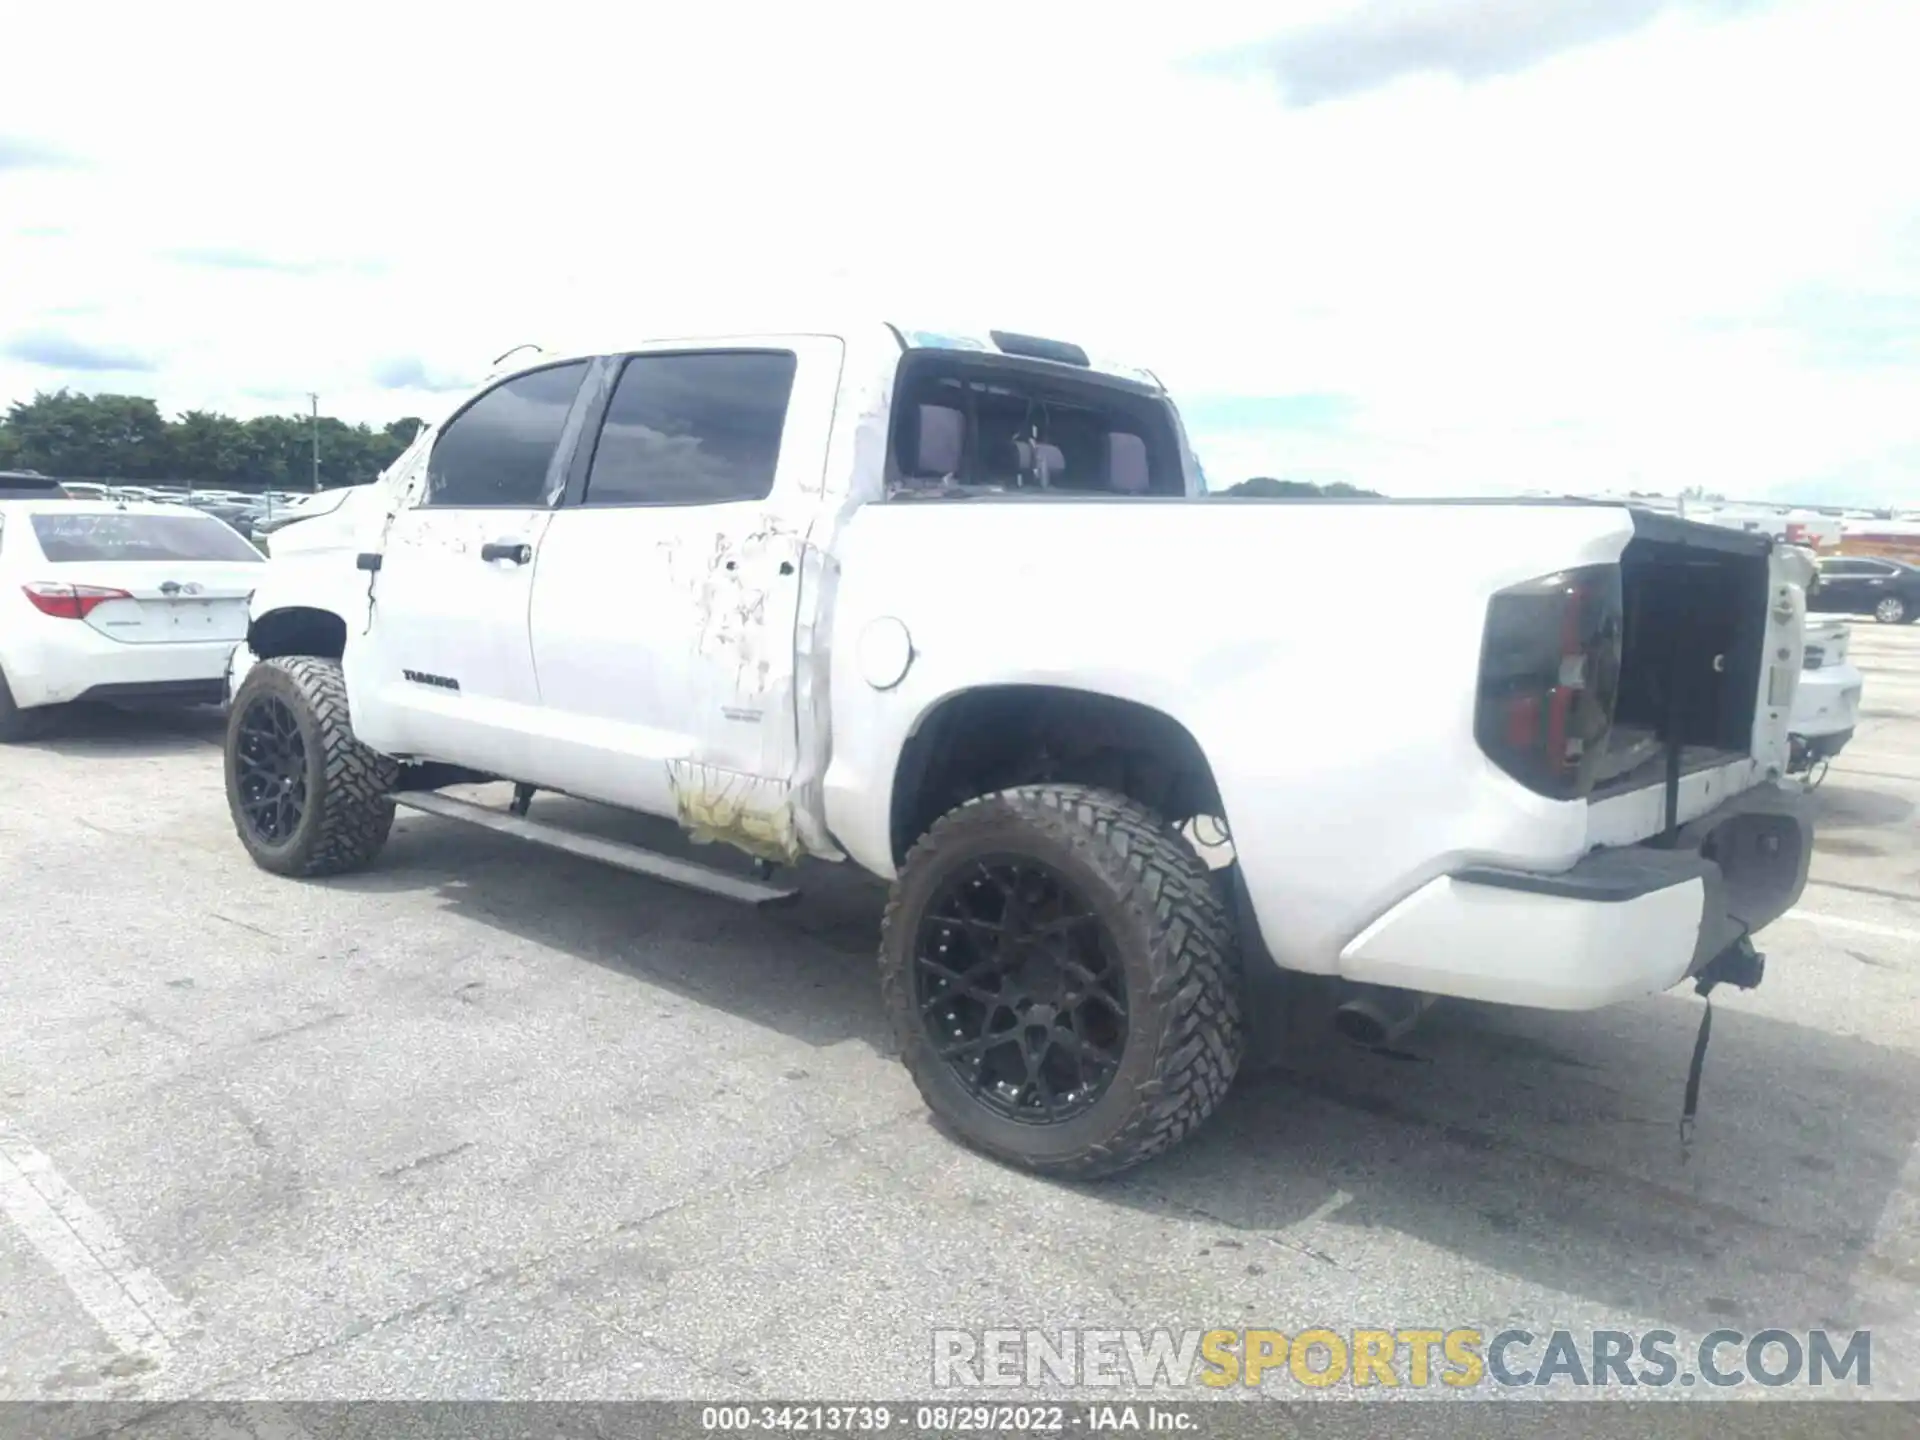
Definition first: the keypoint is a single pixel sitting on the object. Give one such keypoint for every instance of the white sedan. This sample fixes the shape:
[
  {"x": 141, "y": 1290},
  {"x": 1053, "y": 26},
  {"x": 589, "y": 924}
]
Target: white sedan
[{"x": 116, "y": 601}]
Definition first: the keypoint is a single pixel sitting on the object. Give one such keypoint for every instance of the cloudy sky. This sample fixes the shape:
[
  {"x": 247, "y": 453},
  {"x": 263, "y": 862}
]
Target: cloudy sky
[{"x": 1431, "y": 246}]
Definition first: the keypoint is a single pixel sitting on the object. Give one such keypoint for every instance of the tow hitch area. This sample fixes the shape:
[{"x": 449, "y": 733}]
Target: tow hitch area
[{"x": 1741, "y": 966}]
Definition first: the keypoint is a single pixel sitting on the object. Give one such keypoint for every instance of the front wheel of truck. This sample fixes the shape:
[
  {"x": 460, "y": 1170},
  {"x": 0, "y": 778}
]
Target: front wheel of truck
[
  {"x": 306, "y": 797},
  {"x": 1062, "y": 979}
]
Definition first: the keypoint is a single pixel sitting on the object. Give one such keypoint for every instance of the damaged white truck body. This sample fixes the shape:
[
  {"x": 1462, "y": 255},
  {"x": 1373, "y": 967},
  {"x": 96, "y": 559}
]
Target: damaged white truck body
[{"x": 955, "y": 609}]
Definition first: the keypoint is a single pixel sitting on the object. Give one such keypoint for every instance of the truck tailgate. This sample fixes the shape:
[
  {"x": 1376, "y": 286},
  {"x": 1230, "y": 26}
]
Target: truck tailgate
[{"x": 1710, "y": 659}]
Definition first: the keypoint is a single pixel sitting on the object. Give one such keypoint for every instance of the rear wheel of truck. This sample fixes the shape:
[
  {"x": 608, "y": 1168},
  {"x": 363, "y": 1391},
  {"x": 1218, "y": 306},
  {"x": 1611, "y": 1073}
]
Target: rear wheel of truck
[
  {"x": 1062, "y": 979},
  {"x": 306, "y": 797}
]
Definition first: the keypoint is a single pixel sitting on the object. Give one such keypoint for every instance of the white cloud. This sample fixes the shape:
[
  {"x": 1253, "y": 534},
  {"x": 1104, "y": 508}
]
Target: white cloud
[{"x": 1592, "y": 269}]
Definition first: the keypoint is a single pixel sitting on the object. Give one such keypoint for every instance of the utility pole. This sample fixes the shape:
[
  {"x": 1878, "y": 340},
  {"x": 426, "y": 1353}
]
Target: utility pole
[{"x": 316, "y": 440}]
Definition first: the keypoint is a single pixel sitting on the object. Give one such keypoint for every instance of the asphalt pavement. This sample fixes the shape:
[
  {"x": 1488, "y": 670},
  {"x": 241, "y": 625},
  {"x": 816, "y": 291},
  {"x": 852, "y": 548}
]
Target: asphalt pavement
[{"x": 487, "y": 1121}]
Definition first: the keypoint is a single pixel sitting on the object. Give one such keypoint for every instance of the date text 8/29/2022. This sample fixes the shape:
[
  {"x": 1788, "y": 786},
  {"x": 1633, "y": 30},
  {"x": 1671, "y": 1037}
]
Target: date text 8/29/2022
[{"x": 947, "y": 1419}]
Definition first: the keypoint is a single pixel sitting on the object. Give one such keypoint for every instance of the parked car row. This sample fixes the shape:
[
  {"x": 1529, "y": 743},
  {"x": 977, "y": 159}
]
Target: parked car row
[{"x": 254, "y": 514}]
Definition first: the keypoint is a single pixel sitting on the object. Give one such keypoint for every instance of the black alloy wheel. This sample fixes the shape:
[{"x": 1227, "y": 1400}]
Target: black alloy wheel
[
  {"x": 1062, "y": 979},
  {"x": 1018, "y": 986},
  {"x": 306, "y": 797},
  {"x": 270, "y": 760}
]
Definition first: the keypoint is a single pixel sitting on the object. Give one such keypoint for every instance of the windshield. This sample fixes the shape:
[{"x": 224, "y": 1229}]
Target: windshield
[{"x": 118, "y": 536}]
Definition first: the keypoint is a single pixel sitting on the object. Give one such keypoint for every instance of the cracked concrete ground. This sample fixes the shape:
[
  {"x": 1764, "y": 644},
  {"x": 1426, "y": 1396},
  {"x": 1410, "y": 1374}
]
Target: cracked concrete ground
[{"x": 492, "y": 1122}]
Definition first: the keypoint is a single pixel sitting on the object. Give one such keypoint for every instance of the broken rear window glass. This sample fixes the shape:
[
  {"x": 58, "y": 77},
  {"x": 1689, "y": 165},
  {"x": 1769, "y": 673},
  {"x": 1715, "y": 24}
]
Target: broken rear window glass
[{"x": 978, "y": 426}]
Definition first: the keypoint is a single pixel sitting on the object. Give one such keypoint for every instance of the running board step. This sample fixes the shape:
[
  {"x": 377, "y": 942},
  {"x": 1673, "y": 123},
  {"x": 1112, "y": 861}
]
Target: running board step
[{"x": 688, "y": 873}]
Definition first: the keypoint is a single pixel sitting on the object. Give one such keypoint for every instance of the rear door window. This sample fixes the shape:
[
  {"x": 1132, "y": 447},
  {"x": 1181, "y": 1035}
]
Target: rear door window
[
  {"x": 693, "y": 429},
  {"x": 118, "y": 536}
]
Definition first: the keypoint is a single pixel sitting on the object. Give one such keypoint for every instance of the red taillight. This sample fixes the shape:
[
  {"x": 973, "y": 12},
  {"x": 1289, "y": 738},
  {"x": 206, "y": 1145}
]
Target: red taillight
[
  {"x": 70, "y": 602},
  {"x": 1523, "y": 721},
  {"x": 1549, "y": 670}
]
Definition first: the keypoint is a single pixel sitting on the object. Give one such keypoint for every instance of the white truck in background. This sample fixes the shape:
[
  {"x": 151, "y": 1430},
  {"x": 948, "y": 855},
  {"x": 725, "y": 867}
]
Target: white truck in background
[
  {"x": 1826, "y": 706},
  {"x": 922, "y": 603}
]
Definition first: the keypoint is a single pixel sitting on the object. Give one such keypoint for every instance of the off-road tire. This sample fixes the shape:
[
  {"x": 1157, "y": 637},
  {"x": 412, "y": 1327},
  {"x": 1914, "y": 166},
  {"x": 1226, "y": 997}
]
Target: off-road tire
[
  {"x": 348, "y": 813},
  {"x": 1170, "y": 932},
  {"x": 17, "y": 724}
]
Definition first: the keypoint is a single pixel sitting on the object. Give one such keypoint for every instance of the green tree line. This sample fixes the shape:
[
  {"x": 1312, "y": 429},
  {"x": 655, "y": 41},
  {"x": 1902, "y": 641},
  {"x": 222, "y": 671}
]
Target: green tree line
[
  {"x": 1265, "y": 487},
  {"x": 125, "y": 437}
]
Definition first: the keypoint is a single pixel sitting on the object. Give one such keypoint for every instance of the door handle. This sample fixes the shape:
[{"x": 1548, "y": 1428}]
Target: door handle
[{"x": 516, "y": 551}]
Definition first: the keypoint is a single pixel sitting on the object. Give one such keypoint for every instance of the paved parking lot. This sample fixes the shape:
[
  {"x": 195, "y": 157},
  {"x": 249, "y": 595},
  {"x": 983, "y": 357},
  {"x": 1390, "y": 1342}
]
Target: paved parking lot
[{"x": 492, "y": 1122}]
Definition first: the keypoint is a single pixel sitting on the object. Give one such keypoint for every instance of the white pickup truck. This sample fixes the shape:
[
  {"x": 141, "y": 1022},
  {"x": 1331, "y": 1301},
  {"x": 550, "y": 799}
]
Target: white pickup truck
[{"x": 956, "y": 608}]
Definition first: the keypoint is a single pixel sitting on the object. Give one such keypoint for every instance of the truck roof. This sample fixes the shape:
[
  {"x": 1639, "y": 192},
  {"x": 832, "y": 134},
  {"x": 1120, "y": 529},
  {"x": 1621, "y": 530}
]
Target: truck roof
[{"x": 1068, "y": 355}]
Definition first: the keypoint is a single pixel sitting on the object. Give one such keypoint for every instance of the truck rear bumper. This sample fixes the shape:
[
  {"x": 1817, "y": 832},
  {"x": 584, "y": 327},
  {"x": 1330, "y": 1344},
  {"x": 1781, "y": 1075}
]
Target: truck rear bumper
[{"x": 1621, "y": 923}]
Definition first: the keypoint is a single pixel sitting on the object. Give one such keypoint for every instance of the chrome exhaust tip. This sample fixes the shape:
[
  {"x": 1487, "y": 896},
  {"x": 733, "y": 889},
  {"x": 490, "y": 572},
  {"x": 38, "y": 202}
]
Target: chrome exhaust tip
[{"x": 1376, "y": 1015}]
